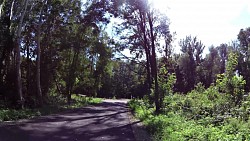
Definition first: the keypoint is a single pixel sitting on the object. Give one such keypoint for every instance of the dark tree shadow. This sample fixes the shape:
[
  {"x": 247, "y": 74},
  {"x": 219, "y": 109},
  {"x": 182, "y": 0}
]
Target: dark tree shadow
[{"x": 104, "y": 122}]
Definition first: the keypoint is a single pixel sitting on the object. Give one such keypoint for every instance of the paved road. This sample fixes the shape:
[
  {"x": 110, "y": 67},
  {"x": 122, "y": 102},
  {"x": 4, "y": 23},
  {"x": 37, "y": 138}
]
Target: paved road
[{"x": 107, "y": 121}]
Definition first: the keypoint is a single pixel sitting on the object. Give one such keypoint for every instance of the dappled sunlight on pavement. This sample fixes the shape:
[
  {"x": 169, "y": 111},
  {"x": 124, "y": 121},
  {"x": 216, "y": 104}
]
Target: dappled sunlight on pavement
[{"x": 107, "y": 121}]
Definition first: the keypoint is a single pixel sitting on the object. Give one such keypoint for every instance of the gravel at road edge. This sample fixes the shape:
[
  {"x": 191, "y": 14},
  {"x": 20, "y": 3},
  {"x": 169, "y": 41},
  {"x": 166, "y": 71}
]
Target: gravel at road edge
[{"x": 138, "y": 128}]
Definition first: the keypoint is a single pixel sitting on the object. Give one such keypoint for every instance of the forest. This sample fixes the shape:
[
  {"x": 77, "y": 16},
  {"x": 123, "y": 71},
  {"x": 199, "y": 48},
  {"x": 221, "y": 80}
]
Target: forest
[{"x": 51, "y": 50}]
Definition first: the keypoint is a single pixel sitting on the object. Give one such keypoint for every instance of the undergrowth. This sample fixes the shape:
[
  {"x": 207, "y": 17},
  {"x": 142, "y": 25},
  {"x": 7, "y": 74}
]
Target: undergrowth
[
  {"x": 218, "y": 113},
  {"x": 199, "y": 115},
  {"x": 54, "y": 106}
]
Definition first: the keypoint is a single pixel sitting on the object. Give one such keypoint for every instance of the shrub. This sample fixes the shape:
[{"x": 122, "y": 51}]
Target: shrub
[
  {"x": 230, "y": 83},
  {"x": 219, "y": 112}
]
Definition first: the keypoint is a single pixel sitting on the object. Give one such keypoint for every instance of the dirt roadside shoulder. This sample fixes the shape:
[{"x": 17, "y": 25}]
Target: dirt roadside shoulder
[{"x": 138, "y": 128}]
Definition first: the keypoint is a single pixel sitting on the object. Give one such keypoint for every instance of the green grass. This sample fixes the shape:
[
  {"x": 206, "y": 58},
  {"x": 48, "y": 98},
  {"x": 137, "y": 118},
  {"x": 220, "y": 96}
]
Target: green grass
[
  {"x": 77, "y": 102},
  {"x": 80, "y": 101},
  {"x": 11, "y": 114}
]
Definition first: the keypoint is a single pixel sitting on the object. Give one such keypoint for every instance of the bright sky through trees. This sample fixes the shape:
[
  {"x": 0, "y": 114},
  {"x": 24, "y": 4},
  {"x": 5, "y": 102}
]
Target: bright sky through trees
[{"x": 213, "y": 21}]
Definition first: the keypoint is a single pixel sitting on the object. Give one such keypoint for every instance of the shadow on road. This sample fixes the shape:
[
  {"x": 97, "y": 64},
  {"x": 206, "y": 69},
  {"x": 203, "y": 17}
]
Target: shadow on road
[{"x": 102, "y": 122}]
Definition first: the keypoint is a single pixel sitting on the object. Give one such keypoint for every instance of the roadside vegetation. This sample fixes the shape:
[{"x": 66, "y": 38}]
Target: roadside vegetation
[
  {"x": 179, "y": 122},
  {"x": 220, "y": 112},
  {"x": 58, "y": 105}
]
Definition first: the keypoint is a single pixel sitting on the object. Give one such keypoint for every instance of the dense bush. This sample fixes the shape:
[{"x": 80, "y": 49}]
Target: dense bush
[
  {"x": 220, "y": 112},
  {"x": 202, "y": 114}
]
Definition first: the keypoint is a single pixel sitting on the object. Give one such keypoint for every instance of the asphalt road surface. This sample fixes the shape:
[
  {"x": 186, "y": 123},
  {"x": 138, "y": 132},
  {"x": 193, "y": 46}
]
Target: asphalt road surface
[{"x": 107, "y": 121}]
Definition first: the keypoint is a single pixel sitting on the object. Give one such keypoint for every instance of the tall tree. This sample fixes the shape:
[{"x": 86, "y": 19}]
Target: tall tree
[
  {"x": 223, "y": 51},
  {"x": 192, "y": 50},
  {"x": 211, "y": 66},
  {"x": 38, "y": 59},
  {"x": 244, "y": 49},
  {"x": 140, "y": 16},
  {"x": 18, "y": 53}
]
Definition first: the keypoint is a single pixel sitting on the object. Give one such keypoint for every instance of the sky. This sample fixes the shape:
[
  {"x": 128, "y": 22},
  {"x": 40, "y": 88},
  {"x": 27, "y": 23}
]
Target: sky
[{"x": 212, "y": 21}]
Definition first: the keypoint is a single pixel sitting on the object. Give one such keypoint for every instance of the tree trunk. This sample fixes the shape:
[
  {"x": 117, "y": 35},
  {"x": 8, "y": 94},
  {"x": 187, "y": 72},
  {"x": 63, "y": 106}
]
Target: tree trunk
[
  {"x": 71, "y": 76},
  {"x": 57, "y": 84},
  {"x": 38, "y": 61},
  {"x": 147, "y": 51},
  {"x": 28, "y": 69},
  {"x": 18, "y": 55},
  {"x": 154, "y": 64},
  {"x": 1, "y": 8}
]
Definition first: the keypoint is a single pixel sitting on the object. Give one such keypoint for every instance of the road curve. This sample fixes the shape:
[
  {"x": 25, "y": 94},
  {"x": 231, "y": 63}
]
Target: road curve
[{"x": 107, "y": 121}]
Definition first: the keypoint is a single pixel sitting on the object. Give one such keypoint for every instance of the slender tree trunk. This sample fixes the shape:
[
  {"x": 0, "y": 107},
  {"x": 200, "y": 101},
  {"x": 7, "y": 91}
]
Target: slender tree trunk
[
  {"x": 1, "y": 8},
  {"x": 71, "y": 76},
  {"x": 45, "y": 55},
  {"x": 18, "y": 73},
  {"x": 18, "y": 55},
  {"x": 38, "y": 61},
  {"x": 154, "y": 64},
  {"x": 12, "y": 9},
  {"x": 147, "y": 51},
  {"x": 28, "y": 69},
  {"x": 57, "y": 84}
]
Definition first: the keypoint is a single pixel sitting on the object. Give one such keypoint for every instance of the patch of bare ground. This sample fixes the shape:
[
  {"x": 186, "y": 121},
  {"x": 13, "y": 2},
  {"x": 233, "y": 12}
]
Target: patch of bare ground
[{"x": 139, "y": 129}]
